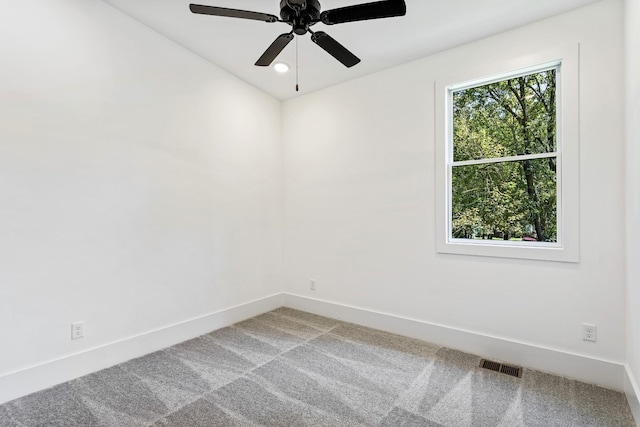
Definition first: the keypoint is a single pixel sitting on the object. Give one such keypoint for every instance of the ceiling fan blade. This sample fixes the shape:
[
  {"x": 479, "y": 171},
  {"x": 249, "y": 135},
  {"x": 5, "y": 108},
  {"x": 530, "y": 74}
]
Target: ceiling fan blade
[
  {"x": 334, "y": 48},
  {"x": 231, "y": 13},
  {"x": 274, "y": 50},
  {"x": 362, "y": 12}
]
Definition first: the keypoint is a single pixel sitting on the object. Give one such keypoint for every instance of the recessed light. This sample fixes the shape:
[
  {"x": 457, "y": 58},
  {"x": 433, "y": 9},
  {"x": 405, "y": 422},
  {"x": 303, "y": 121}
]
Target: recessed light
[{"x": 281, "y": 67}]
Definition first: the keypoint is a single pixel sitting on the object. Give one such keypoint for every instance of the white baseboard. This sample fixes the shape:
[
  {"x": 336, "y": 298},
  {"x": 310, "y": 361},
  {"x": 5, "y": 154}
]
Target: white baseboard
[
  {"x": 632, "y": 390},
  {"x": 39, "y": 377},
  {"x": 594, "y": 371},
  {"x": 605, "y": 373}
]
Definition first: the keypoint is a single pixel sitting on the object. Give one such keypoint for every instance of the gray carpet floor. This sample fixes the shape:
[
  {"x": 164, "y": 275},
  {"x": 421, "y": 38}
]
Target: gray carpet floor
[{"x": 291, "y": 368}]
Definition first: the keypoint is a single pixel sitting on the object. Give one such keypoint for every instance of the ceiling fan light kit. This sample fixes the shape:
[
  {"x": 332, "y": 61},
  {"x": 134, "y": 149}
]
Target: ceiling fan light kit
[
  {"x": 303, "y": 14},
  {"x": 281, "y": 67}
]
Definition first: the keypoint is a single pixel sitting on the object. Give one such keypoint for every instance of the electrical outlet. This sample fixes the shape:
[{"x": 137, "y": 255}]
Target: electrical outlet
[
  {"x": 312, "y": 285},
  {"x": 77, "y": 330},
  {"x": 589, "y": 332}
]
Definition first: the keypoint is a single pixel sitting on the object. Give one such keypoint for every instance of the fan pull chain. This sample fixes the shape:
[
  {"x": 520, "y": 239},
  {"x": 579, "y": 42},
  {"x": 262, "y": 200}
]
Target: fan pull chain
[{"x": 297, "y": 87}]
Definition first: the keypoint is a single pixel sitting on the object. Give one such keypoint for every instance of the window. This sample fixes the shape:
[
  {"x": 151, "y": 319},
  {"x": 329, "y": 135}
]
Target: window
[
  {"x": 507, "y": 161},
  {"x": 504, "y": 160}
]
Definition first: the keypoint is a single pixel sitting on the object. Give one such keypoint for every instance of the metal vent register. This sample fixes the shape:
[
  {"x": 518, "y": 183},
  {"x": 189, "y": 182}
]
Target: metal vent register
[{"x": 513, "y": 371}]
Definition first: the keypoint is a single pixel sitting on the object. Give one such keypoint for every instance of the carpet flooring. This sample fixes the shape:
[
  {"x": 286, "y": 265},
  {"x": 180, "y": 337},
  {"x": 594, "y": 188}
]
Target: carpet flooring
[{"x": 291, "y": 368}]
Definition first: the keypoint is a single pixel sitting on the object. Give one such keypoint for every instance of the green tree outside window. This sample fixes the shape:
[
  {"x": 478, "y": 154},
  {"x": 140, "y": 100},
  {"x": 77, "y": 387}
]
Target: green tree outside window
[{"x": 503, "y": 175}]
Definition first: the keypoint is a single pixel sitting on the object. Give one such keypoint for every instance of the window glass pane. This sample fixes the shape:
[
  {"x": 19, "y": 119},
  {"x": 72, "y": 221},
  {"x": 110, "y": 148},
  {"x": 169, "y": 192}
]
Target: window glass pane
[
  {"x": 507, "y": 118},
  {"x": 505, "y": 201}
]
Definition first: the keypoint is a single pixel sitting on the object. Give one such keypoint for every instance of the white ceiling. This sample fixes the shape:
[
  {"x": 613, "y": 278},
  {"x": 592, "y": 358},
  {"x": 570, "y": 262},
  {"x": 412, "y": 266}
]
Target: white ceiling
[{"x": 429, "y": 27}]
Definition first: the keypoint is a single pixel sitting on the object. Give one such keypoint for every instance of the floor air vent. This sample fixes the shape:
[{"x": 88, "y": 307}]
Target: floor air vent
[{"x": 499, "y": 367}]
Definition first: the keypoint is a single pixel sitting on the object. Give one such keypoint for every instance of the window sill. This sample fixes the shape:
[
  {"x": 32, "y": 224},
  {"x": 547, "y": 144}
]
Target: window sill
[{"x": 535, "y": 251}]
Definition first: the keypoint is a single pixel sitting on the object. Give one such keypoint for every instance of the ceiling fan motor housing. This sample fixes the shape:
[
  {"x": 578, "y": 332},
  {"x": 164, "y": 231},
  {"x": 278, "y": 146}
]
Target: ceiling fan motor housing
[{"x": 308, "y": 14}]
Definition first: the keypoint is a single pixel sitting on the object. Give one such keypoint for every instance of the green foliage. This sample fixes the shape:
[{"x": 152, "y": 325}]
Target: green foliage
[{"x": 507, "y": 199}]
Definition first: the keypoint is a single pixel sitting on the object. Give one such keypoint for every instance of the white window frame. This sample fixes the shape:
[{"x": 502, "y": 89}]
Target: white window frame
[{"x": 566, "y": 249}]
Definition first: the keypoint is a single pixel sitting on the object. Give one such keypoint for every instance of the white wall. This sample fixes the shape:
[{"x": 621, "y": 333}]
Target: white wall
[
  {"x": 359, "y": 208},
  {"x": 632, "y": 90},
  {"x": 140, "y": 186}
]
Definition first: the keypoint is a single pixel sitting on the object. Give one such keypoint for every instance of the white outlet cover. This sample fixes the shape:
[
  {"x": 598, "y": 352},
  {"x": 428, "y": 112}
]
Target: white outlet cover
[
  {"x": 77, "y": 330},
  {"x": 589, "y": 332}
]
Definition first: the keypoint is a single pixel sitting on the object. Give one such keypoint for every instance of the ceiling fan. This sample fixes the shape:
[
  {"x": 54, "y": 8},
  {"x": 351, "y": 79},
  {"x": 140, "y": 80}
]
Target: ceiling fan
[{"x": 303, "y": 14}]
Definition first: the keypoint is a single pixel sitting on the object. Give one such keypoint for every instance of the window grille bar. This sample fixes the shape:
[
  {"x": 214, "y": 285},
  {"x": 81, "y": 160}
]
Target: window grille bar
[{"x": 505, "y": 159}]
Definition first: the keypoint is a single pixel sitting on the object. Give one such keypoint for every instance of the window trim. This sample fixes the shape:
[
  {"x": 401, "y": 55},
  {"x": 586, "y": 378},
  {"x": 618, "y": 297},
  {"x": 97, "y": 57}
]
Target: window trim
[{"x": 566, "y": 58}]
